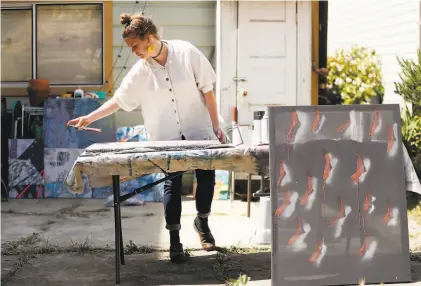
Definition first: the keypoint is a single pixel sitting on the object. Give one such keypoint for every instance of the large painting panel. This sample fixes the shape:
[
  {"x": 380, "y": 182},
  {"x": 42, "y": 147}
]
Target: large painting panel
[{"x": 338, "y": 195}]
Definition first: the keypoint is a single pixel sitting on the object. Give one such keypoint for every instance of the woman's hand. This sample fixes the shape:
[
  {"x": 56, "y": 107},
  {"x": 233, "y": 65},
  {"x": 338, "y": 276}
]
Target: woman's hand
[
  {"x": 80, "y": 122},
  {"x": 220, "y": 135}
]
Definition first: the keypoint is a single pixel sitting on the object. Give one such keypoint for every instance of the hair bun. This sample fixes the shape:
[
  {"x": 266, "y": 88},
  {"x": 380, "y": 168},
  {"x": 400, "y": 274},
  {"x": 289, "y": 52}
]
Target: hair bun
[{"x": 125, "y": 19}]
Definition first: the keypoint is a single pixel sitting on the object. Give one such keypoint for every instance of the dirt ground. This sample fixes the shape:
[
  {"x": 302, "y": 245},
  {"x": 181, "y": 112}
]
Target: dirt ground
[{"x": 32, "y": 260}]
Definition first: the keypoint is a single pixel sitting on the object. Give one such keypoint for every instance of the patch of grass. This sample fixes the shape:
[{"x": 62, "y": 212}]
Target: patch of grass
[
  {"x": 20, "y": 246},
  {"x": 188, "y": 252},
  {"x": 230, "y": 271},
  {"x": 242, "y": 279},
  {"x": 132, "y": 248},
  {"x": 35, "y": 244},
  {"x": 238, "y": 250}
]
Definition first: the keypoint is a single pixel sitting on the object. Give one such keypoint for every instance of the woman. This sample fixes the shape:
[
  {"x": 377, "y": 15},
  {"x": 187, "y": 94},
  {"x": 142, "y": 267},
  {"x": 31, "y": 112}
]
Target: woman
[{"x": 172, "y": 83}]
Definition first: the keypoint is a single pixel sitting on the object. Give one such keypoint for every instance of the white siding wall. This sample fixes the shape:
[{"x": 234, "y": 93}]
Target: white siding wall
[{"x": 389, "y": 26}]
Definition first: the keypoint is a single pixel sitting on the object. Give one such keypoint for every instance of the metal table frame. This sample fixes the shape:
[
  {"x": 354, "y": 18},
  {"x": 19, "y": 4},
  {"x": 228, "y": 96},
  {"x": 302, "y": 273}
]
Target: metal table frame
[{"x": 119, "y": 247}]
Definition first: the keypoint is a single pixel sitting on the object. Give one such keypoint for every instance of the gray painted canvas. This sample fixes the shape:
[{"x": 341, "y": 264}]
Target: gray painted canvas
[{"x": 338, "y": 195}]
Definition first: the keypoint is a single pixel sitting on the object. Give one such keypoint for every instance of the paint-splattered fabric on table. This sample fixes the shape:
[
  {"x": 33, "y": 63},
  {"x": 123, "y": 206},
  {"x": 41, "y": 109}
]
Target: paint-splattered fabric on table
[{"x": 133, "y": 159}]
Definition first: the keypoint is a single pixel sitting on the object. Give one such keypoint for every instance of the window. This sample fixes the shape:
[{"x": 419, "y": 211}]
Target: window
[
  {"x": 67, "y": 44},
  {"x": 16, "y": 45}
]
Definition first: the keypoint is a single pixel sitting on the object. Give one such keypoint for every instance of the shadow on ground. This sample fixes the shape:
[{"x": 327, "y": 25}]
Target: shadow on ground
[
  {"x": 202, "y": 268},
  {"x": 141, "y": 269}
]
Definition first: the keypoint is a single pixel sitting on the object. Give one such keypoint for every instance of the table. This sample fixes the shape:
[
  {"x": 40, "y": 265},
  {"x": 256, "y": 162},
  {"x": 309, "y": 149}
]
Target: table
[{"x": 107, "y": 164}]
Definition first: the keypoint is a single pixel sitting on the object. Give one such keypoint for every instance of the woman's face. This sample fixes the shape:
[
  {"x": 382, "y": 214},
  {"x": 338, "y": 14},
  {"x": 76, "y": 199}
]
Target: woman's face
[{"x": 139, "y": 47}]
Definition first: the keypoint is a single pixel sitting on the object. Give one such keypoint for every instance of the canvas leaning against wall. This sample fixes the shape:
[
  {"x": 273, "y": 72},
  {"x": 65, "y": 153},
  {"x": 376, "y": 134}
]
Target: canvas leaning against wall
[
  {"x": 62, "y": 146},
  {"x": 338, "y": 195},
  {"x": 26, "y": 169}
]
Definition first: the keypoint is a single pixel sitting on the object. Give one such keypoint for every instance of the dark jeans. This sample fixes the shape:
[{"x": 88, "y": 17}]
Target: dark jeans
[{"x": 172, "y": 197}]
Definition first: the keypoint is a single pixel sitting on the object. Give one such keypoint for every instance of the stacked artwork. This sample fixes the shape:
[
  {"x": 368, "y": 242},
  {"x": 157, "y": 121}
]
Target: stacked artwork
[
  {"x": 26, "y": 168},
  {"x": 338, "y": 195},
  {"x": 62, "y": 146}
]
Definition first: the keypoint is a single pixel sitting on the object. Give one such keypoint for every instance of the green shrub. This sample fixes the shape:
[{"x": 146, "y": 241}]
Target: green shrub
[
  {"x": 411, "y": 131},
  {"x": 409, "y": 86},
  {"x": 411, "y": 137},
  {"x": 355, "y": 75}
]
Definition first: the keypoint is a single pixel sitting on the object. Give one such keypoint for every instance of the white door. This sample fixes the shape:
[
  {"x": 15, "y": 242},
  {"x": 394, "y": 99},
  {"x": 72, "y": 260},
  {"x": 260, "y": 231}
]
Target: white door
[{"x": 267, "y": 61}]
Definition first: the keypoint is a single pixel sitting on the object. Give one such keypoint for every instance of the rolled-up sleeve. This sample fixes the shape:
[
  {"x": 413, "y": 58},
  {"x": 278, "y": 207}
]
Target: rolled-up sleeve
[
  {"x": 203, "y": 71},
  {"x": 128, "y": 94}
]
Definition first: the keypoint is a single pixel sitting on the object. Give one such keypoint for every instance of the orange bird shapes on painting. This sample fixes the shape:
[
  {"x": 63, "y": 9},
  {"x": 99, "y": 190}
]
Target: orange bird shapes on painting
[
  {"x": 299, "y": 231},
  {"x": 317, "y": 252},
  {"x": 281, "y": 173},
  {"x": 293, "y": 124},
  {"x": 388, "y": 214},
  {"x": 341, "y": 212},
  {"x": 308, "y": 192},
  {"x": 285, "y": 203},
  {"x": 366, "y": 207},
  {"x": 316, "y": 121},
  {"x": 367, "y": 202},
  {"x": 375, "y": 123},
  {"x": 328, "y": 166},
  {"x": 343, "y": 126},
  {"x": 390, "y": 137},
  {"x": 363, "y": 247},
  {"x": 360, "y": 169}
]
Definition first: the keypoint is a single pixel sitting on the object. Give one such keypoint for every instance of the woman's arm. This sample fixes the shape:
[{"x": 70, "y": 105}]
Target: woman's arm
[
  {"x": 108, "y": 108},
  {"x": 212, "y": 106},
  {"x": 104, "y": 110}
]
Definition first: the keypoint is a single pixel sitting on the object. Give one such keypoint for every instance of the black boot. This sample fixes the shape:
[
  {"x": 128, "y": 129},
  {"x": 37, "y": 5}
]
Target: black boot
[
  {"x": 206, "y": 238},
  {"x": 177, "y": 254}
]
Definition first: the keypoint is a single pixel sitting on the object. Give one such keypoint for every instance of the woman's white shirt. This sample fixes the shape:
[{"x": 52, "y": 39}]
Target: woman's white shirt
[{"x": 169, "y": 96}]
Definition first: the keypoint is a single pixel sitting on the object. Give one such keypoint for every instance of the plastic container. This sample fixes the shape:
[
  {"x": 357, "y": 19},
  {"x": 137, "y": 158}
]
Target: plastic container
[
  {"x": 257, "y": 127},
  {"x": 265, "y": 129},
  {"x": 101, "y": 94},
  {"x": 78, "y": 93},
  {"x": 263, "y": 231}
]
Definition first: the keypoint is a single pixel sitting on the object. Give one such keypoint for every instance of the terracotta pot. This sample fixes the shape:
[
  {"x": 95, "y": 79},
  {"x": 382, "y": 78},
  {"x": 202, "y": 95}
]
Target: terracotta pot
[
  {"x": 39, "y": 84},
  {"x": 38, "y": 91}
]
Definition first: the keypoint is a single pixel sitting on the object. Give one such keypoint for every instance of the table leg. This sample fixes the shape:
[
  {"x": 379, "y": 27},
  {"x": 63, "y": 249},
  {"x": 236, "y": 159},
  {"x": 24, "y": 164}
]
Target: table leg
[
  {"x": 121, "y": 240},
  {"x": 248, "y": 195},
  {"x": 232, "y": 193},
  {"x": 117, "y": 227}
]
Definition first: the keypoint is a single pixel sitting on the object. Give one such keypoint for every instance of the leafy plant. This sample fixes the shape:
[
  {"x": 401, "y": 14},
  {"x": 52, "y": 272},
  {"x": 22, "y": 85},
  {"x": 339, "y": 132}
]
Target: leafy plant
[
  {"x": 409, "y": 86},
  {"x": 411, "y": 137},
  {"x": 243, "y": 279},
  {"x": 355, "y": 75}
]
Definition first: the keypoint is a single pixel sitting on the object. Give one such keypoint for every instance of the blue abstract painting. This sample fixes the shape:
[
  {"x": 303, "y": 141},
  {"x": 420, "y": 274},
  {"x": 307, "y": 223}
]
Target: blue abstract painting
[
  {"x": 131, "y": 133},
  {"x": 57, "y": 164},
  {"x": 155, "y": 194},
  {"x": 58, "y": 111}
]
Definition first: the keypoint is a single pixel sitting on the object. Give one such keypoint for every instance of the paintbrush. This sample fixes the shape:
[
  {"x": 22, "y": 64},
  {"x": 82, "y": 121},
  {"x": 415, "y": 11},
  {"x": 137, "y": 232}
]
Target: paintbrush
[{"x": 87, "y": 128}]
